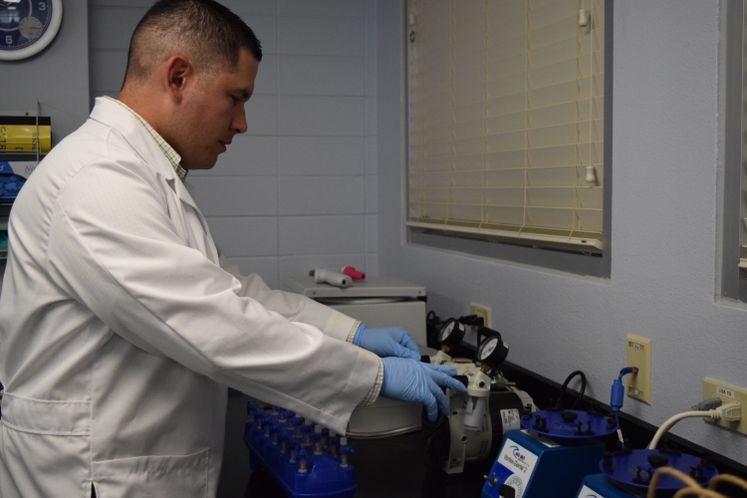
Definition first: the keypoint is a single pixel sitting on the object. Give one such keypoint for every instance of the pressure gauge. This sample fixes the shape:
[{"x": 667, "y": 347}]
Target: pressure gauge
[
  {"x": 492, "y": 351},
  {"x": 452, "y": 333},
  {"x": 487, "y": 349}
]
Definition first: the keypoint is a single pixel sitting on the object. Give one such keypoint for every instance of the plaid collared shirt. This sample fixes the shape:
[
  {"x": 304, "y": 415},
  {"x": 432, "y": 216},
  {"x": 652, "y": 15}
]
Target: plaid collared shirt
[{"x": 174, "y": 158}]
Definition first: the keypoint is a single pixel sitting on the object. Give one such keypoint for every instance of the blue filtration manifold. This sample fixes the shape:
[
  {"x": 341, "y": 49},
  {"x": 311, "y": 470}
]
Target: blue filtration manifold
[
  {"x": 306, "y": 459},
  {"x": 531, "y": 466}
]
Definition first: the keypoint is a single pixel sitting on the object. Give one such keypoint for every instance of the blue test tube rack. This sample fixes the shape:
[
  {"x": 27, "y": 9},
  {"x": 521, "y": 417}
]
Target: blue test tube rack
[{"x": 306, "y": 460}]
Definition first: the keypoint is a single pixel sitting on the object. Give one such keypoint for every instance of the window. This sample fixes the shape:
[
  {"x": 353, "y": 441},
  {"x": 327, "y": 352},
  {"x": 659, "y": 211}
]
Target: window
[
  {"x": 734, "y": 104},
  {"x": 507, "y": 121}
]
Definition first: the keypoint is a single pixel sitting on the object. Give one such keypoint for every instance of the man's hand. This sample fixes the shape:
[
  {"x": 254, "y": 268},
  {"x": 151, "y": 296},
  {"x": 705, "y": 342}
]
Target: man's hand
[
  {"x": 389, "y": 341},
  {"x": 410, "y": 380}
]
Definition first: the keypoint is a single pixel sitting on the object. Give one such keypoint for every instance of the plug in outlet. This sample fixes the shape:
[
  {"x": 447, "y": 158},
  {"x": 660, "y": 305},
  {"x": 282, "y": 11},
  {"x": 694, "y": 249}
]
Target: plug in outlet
[
  {"x": 483, "y": 312},
  {"x": 713, "y": 388},
  {"x": 639, "y": 356}
]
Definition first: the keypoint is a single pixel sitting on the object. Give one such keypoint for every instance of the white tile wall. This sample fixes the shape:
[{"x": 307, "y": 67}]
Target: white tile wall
[
  {"x": 372, "y": 193},
  {"x": 320, "y": 75},
  {"x": 300, "y": 189},
  {"x": 110, "y": 26},
  {"x": 267, "y": 77},
  {"x": 306, "y": 195},
  {"x": 314, "y": 115},
  {"x": 321, "y": 235},
  {"x": 372, "y": 234},
  {"x": 371, "y": 155},
  {"x": 322, "y": 8},
  {"x": 249, "y": 10},
  {"x": 261, "y": 115},
  {"x": 265, "y": 27},
  {"x": 247, "y": 155},
  {"x": 371, "y": 122},
  {"x": 371, "y": 264},
  {"x": 371, "y": 78},
  {"x": 244, "y": 236},
  {"x": 321, "y": 36},
  {"x": 321, "y": 155},
  {"x": 235, "y": 195},
  {"x": 110, "y": 66}
]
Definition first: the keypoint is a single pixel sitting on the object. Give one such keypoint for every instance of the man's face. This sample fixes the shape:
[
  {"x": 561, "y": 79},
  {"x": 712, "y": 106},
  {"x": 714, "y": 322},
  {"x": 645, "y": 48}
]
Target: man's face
[{"x": 214, "y": 112}]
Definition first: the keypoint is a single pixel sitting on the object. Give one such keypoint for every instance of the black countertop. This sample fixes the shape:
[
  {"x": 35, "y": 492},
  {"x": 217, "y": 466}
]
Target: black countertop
[{"x": 393, "y": 467}]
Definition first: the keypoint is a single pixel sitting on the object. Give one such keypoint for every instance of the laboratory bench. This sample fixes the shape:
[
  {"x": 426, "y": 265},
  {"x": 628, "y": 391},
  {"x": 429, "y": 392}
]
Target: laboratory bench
[
  {"x": 392, "y": 467},
  {"x": 400, "y": 467}
]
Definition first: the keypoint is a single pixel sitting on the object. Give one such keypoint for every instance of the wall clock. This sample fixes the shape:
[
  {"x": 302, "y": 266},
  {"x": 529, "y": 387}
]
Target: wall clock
[{"x": 27, "y": 26}]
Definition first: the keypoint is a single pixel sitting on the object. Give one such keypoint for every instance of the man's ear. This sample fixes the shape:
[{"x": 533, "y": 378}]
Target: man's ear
[{"x": 178, "y": 71}]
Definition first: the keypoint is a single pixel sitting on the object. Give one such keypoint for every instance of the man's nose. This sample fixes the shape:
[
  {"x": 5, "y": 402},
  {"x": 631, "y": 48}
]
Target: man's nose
[{"x": 239, "y": 122}]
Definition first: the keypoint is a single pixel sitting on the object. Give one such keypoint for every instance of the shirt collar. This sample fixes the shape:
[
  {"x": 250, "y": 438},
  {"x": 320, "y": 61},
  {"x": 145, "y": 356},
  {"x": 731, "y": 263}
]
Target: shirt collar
[{"x": 174, "y": 158}]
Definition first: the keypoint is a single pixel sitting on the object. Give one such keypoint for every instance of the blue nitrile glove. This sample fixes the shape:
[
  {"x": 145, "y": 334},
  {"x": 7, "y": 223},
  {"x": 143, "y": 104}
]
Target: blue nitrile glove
[
  {"x": 410, "y": 380},
  {"x": 388, "y": 341}
]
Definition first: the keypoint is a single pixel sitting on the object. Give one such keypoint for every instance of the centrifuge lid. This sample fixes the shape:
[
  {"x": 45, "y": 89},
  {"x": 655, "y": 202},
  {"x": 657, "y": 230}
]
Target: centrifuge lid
[{"x": 370, "y": 287}]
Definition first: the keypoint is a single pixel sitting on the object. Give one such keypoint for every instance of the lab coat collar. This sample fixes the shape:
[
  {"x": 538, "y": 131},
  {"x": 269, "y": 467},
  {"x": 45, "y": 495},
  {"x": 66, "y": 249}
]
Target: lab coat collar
[{"x": 113, "y": 115}]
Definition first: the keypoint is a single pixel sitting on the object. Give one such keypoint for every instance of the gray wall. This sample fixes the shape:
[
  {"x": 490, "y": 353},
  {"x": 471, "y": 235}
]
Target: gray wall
[
  {"x": 665, "y": 228},
  {"x": 299, "y": 190}
]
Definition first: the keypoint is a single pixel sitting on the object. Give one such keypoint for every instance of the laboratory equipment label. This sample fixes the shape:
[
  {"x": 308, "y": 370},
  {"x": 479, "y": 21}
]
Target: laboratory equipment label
[
  {"x": 520, "y": 464},
  {"x": 511, "y": 419},
  {"x": 587, "y": 492}
]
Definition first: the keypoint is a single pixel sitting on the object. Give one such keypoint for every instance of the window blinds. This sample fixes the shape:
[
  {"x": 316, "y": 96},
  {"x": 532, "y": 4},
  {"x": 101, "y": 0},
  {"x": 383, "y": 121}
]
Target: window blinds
[{"x": 506, "y": 119}]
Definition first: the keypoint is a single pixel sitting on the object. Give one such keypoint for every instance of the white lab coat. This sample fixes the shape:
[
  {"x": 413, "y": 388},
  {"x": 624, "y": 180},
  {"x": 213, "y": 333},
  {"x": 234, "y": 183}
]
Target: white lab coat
[{"x": 119, "y": 330}]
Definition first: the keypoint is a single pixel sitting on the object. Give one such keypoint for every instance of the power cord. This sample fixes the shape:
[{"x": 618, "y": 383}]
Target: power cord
[
  {"x": 693, "y": 488},
  {"x": 617, "y": 396},
  {"x": 617, "y": 393},
  {"x": 728, "y": 412},
  {"x": 707, "y": 404},
  {"x": 564, "y": 388}
]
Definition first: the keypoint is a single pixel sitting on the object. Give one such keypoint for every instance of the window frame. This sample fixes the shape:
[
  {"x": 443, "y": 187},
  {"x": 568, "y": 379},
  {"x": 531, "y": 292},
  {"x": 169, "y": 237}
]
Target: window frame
[{"x": 733, "y": 280}]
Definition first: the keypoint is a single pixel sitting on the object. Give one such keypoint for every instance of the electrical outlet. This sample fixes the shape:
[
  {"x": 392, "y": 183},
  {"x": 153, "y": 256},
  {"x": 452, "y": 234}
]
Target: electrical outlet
[
  {"x": 713, "y": 388},
  {"x": 483, "y": 312},
  {"x": 639, "y": 355}
]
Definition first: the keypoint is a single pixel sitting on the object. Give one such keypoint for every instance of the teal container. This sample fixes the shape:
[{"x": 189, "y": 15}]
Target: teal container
[{"x": 3, "y": 237}]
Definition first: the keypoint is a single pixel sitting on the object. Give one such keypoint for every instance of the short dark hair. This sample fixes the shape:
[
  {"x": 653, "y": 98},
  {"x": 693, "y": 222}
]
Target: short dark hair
[{"x": 205, "y": 30}]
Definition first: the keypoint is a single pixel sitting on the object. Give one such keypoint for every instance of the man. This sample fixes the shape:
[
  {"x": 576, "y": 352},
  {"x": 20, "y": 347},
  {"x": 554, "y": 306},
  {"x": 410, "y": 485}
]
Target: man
[{"x": 119, "y": 330}]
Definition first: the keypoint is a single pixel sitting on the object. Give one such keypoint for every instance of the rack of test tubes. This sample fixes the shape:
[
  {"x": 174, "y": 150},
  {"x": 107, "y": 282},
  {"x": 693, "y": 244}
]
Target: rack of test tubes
[{"x": 307, "y": 460}]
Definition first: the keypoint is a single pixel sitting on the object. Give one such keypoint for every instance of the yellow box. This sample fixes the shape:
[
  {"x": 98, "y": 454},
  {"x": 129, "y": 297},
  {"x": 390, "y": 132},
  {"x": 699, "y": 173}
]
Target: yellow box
[{"x": 22, "y": 134}]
